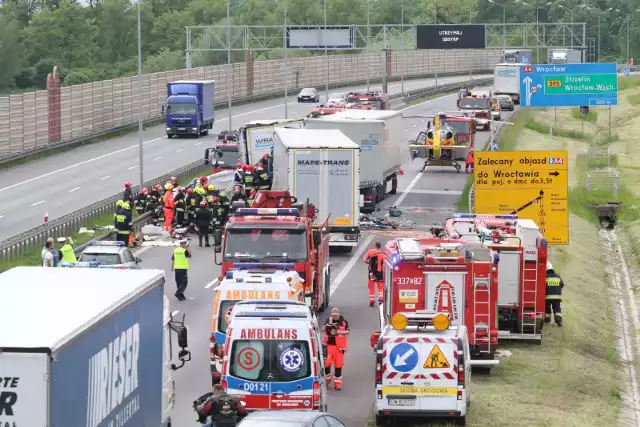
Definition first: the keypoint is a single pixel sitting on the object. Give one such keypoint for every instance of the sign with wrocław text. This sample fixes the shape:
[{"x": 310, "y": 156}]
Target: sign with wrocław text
[{"x": 530, "y": 184}]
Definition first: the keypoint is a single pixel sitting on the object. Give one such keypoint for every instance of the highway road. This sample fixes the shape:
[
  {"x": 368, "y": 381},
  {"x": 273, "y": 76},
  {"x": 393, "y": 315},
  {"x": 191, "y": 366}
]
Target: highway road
[
  {"x": 424, "y": 197},
  {"x": 72, "y": 180}
]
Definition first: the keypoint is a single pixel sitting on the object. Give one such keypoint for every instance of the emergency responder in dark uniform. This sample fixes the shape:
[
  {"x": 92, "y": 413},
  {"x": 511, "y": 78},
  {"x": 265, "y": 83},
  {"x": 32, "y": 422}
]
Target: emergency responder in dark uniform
[
  {"x": 554, "y": 296},
  {"x": 336, "y": 331},
  {"x": 154, "y": 202},
  {"x": 140, "y": 202},
  {"x": 238, "y": 175},
  {"x": 190, "y": 202},
  {"x": 224, "y": 409},
  {"x": 218, "y": 213},
  {"x": 375, "y": 259},
  {"x": 179, "y": 201},
  {"x": 180, "y": 264},
  {"x": 264, "y": 181},
  {"x": 238, "y": 195},
  {"x": 204, "y": 217},
  {"x": 225, "y": 202},
  {"x": 127, "y": 196},
  {"x": 123, "y": 221},
  {"x": 264, "y": 162},
  {"x": 248, "y": 179}
]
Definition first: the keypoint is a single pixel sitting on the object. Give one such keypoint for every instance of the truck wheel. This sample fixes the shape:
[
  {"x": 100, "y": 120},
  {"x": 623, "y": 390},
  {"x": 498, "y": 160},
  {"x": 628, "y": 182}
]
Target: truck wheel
[
  {"x": 394, "y": 185},
  {"x": 205, "y": 132},
  {"x": 169, "y": 136},
  {"x": 462, "y": 421}
]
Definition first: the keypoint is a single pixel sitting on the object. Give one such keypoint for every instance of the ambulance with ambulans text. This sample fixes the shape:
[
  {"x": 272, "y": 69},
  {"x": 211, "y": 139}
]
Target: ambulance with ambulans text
[
  {"x": 273, "y": 357},
  {"x": 423, "y": 368},
  {"x": 248, "y": 282}
]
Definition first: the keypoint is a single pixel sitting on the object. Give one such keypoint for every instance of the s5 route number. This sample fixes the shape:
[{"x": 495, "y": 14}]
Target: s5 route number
[{"x": 409, "y": 280}]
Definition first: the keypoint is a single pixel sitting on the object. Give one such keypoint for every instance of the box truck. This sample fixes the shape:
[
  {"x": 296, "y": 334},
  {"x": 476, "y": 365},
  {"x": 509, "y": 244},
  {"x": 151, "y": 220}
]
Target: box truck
[
  {"x": 565, "y": 56},
  {"x": 190, "y": 106},
  {"x": 517, "y": 56},
  {"x": 380, "y": 135},
  {"x": 87, "y": 347},
  {"x": 506, "y": 81},
  {"x": 256, "y": 139},
  {"x": 323, "y": 167}
]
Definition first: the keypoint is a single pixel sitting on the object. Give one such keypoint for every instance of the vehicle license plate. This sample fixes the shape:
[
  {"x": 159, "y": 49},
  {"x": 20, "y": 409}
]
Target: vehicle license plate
[
  {"x": 182, "y": 128},
  {"x": 402, "y": 402}
]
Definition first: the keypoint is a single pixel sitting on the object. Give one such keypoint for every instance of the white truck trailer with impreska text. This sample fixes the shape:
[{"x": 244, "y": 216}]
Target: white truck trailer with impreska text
[
  {"x": 256, "y": 138},
  {"x": 506, "y": 81},
  {"x": 380, "y": 135},
  {"x": 322, "y": 166},
  {"x": 87, "y": 347}
]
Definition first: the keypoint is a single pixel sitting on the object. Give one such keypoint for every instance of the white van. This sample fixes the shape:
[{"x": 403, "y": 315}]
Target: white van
[
  {"x": 273, "y": 356},
  {"x": 423, "y": 368}
]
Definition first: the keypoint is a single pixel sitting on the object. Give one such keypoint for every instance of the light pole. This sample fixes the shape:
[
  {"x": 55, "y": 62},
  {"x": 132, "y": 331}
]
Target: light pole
[
  {"x": 140, "y": 145},
  {"x": 228, "y": 74},
  {"x": 286, "y": 68},
  {"x": 538, "y": 30},
  {"x": 402, "y": 43},
  {"x": 326, "y": 54},
  {"x": 628, "y": 24},
  {"x": 368, "y": 39},
  {"x": 504, "y": 23}
]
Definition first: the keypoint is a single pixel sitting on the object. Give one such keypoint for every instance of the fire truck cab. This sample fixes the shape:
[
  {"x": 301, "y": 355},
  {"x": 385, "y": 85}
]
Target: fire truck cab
[
  {"x": 267, "y": 236},
  {"x": 446, "y": 277},
  {"x": 521, "y": 252},
  {"x": 477, "y": 108},
  {"x": 378, "y": 100}
]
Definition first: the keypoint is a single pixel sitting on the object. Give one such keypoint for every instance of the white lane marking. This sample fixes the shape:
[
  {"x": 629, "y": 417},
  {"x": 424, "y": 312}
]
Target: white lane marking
[
  {"x": 38, "y": 203},
  {"x": 199, "y": 143},
  {"x": 409, "y": 188},
  {"x": 75, "y": 165},
  {"x": 406, "y": 130},
  {"x": 105, "y": 177},
  {"x": 413, "y": 126},
  {"x": 422, "y": 121},
  {"x": 133, "y": 167},
  {"x": 182, "y": 149},
  {"x": 445, "y": 192},
  {"x": 157, "y": 158},
  {"x": 73, "y": 189},
  {"x": 211, "y": 283},
  {"x": 141, "y": 250},
  {"x": 347, "y": 268},
  {"x": 175, "y": 313},
  {"x": 1, "y": 216}
]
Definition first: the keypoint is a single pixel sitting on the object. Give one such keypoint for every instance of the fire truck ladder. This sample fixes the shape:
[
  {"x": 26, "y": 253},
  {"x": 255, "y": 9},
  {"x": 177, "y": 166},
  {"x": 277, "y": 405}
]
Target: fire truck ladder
[
  {"x": 482, "y": 310},
  {"x": 528, "y": 322},
  {"x": 409, "y": 248}
]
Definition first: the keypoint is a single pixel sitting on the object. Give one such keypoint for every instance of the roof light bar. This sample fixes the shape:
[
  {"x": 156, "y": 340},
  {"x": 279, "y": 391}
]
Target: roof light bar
[
  {"x": 106, "y": 243},
  {"x": 86, "y": 264},
  {"x": 267, "y": 211},
  {"x": 269, "y": 266}
]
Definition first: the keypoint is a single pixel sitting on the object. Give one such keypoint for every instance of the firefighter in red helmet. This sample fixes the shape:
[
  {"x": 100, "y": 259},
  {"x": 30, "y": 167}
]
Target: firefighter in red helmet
[
  {"x": 127, "y": 196},
  {"x": 248, "y": 179}
]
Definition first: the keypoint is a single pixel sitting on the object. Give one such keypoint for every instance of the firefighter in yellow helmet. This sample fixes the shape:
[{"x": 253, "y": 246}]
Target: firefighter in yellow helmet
[{"x": 554, "y": 296}]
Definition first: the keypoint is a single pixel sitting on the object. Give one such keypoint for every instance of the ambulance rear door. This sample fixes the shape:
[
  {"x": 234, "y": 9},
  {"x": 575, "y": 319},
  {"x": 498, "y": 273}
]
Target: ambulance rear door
[
  {"x": 446, "y": 294},
  {"x": 438, "y": 364}
]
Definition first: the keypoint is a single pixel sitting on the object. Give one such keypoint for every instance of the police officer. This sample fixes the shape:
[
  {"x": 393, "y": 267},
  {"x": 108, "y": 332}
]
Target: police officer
[
  {"x": 375, "y": 258},
  {"x": 180, "y": 264},
  {"x": 140, "y": 202},
  {"x": 190, "y": 202},
  {"x": 336, "y": 332},
  {"x": 223, "y": 409},
  {"x": 123, "y": 222},
  {"x": 204, "y": 217},
  {"x": 554, "y": 296},
  {"x": 264, "y": 181},
  {"x": 179, "y": 201},
  {"x": 248, "y": 179},
  {"x": 66, "y": 252}
]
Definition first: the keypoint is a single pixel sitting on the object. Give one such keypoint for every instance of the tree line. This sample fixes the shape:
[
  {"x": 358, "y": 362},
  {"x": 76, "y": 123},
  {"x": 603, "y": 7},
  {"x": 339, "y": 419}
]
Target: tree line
[{"x": 97, "y": 39}]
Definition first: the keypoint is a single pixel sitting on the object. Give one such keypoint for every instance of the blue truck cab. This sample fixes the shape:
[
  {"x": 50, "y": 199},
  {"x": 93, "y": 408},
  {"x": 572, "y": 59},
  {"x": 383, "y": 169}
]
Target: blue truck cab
[{"x": 189, "y": 108}]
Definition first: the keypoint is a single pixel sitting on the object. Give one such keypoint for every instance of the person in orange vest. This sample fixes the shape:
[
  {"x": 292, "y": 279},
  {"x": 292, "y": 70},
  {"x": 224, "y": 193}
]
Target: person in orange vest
[
  {"x": 375, "y": 258},
  {"x": 336, "y": 330},
  {"x": 169, "y": 207},
  {"x": 468, "y": 164}
]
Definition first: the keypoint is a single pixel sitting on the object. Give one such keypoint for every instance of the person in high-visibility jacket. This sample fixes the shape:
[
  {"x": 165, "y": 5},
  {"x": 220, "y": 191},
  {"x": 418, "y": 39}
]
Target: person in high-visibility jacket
[
  {"x": 169, "y": 206},
  {"x": 469, "y": 164},
  {"x": 375, "y": 259},
  {"x": 66, "y": 252},
  {"x": 180, "y": 265},
  {"x": 249, "y": 179},
  {"x": 554, "y": 296},
  {"x": 336, "y": 330}
]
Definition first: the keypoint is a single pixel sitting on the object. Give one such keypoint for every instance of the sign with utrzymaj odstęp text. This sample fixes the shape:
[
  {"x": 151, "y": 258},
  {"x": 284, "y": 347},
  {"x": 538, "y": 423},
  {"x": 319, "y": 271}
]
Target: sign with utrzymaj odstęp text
[
  {"x": 530, "y": 184},
  {"x": 569, "y": 85}
]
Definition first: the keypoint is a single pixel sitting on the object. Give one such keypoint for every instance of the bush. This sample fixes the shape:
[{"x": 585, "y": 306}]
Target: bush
[
  {"x": 24, "y": 79},
  {"x": 76, "y": 78}
]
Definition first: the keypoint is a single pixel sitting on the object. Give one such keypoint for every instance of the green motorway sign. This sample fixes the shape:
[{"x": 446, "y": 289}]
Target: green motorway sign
[{"x": 580, "y": 84}]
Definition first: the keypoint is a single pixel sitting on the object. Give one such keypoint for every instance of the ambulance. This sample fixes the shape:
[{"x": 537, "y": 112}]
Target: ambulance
[
  {"x": 252, "y": 282},
  {"x": 274, "y": 358},
  {"x": 423, "y": 368}
]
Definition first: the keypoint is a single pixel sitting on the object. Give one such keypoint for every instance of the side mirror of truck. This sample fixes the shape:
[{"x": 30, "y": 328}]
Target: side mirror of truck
[
  {"x": 458, "y": 102},
  {"x": 183, "y": 337},
  {"x": 375, "y": 337},
  {"x": 206, "y": 156}
]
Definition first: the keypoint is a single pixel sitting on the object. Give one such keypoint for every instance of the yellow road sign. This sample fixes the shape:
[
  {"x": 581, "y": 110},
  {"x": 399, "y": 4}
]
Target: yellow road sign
[
  {"x": 436, "y": 359},
  {"x": 531, "y": 184}
]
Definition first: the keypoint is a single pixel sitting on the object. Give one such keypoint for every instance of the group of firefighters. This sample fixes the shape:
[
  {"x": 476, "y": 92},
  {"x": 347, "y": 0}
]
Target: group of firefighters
[{"x": 202, "y": 208}]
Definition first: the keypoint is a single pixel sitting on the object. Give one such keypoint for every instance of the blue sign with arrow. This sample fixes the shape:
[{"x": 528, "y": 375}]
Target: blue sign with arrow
[
  {"x": 403, "y": 357},
  {"x": 569, "y": 85}
]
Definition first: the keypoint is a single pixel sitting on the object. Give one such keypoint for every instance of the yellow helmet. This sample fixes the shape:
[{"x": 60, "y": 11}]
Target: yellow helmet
[
  {"x": 168, "y": 186},
  {"x": 212, "y": 188}
]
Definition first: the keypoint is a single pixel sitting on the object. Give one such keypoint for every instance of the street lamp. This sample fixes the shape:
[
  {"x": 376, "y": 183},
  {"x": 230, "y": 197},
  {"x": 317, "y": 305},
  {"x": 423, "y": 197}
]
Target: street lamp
[
  {"x": 286, "y": 69},
  {"x": 140, "y": 145},
  {"x": 326, "y": 54},
  {"x": 504, "y": 21},
  {"x": 228, "y": 68},
  {"x": 368, "y": 40}
]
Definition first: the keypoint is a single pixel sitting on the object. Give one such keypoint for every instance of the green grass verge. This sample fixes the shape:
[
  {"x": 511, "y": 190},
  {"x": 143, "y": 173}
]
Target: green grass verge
[
  {"x": 591, "y": 116},
  {"x": 634, "y": 99},
  {"x": 628, "y": 82}
]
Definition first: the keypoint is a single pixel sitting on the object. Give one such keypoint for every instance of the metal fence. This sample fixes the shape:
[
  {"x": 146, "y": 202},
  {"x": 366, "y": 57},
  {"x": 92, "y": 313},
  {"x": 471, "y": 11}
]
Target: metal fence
[
  {"x": 95, "y": 108},
  {"x": 605, "y": 182}
]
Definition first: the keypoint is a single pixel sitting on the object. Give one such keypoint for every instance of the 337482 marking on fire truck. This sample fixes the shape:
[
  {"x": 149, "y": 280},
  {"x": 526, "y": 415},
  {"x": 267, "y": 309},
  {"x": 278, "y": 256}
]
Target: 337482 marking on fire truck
[
  {"x": 436, "y": 359},
  {"x": 530, "y": 184}
]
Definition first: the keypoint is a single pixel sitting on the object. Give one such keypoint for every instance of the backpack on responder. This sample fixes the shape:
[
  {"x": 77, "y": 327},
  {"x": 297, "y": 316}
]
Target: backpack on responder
[{"x": 201, "y": 409}]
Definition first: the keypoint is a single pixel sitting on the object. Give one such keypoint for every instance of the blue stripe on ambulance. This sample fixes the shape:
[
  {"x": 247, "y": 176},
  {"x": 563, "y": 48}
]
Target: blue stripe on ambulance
[
  {"x": 220, "y": 337},
  {"x": 264, "y": 387}
]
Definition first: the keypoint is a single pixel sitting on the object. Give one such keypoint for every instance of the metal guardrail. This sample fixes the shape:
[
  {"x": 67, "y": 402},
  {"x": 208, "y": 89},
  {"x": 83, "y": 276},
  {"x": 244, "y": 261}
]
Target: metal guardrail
[{"x": 17, "y": 246}]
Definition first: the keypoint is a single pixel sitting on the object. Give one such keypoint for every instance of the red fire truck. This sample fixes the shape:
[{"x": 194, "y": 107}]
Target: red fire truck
[
  {"x": 276, "y": 230},
  {"x": 325, "y": 110},
  {"x": 375, "y": 99},
  {"x": 477, "y": 108},
  {"x": 522, "y": 253},
  {"x": 447, "y": 277}
]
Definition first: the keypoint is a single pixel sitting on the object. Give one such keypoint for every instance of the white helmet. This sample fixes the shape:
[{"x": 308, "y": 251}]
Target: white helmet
[{"x": 549, "y": 266}]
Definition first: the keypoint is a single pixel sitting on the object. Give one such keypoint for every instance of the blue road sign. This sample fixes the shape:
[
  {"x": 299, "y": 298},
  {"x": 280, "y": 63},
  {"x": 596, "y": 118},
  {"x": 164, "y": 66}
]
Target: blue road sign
[
  {"x": 627, "y": 70},
  {"x": 568, "y": 85},
  {"x": 403, "y": 357}
]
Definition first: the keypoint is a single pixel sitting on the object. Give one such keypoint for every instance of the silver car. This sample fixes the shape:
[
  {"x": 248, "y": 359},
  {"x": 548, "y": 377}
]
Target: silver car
[
  {"x": 110, "y": 253},
  {"x": 290, "y": 418}
]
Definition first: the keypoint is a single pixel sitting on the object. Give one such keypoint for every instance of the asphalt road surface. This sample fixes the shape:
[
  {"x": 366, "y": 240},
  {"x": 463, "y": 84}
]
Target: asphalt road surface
[
  {"x": 69, "y": 181},
  {"x": 424, "y": 197}
]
